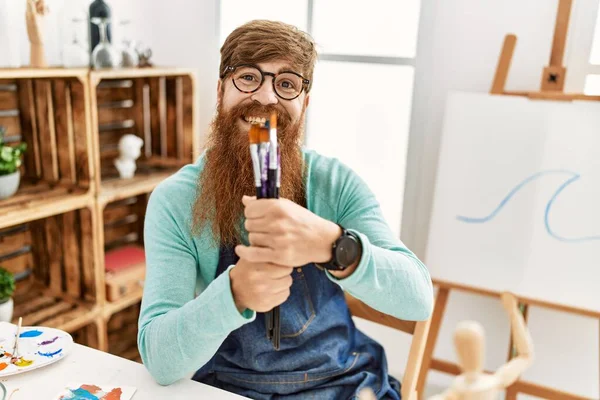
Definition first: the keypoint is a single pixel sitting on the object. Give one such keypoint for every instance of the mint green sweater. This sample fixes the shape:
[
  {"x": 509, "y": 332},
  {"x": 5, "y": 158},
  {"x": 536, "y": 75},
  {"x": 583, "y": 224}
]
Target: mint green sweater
[{"x": 186, "y": 313}]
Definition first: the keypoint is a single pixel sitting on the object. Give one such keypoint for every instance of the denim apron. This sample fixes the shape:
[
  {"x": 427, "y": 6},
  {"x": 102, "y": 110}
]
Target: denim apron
[{"x": 322, "y": 355}]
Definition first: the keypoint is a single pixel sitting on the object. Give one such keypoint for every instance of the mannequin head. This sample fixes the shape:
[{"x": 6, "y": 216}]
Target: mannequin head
[{"x": 469, "y": 341}]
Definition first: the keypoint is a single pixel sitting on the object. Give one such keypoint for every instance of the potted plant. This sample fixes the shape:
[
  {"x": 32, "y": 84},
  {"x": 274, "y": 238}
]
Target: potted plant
[
  {"x": 10, "y": 161},
  {"x": 7, "y": 288}
]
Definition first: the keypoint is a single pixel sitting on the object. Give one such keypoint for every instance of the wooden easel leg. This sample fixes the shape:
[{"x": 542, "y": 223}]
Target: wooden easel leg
[
  {"x": 434, "y": 330},
  {"x": 553, "y": 77},
  {"x": 506, "y": 55},
  {"x": 512, "y": 391}
]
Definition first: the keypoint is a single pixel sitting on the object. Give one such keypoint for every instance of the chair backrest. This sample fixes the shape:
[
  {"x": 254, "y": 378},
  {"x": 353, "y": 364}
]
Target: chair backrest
[{"x": 419, "y": 330}]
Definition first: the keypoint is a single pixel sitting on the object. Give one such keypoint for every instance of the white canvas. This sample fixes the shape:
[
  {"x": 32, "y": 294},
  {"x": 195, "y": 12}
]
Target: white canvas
[{"x": 517, "y": 198}]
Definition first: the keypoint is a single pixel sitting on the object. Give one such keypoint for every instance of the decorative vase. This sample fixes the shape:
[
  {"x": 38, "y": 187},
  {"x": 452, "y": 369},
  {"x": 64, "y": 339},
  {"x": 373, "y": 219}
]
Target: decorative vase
[
  {"x": 9, "y": 184},
  {"x": 6, "y": 310},
  {"x": 99, "y": 9},
  {"x": 104, "y": 55},
  {"x": 130, "y": 56}
]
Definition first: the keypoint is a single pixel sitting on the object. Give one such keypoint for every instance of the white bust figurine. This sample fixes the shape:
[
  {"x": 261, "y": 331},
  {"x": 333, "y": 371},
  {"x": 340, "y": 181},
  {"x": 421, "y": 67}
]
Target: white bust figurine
[
  {"x": 469, "y": 340},
  {"x": 129, "y": 150}
]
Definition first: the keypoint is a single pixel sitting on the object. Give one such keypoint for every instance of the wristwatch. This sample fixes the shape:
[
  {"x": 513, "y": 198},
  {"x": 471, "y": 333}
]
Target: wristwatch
[{"x": 344, "y": 252}]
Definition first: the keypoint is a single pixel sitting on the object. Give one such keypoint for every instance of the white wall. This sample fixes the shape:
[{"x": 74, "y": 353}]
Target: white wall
[{"x": 458, "y": 49}]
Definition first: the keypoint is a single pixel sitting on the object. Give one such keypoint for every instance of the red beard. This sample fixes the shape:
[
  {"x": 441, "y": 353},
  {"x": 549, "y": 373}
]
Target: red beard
[{"x": 228, "y": 175}]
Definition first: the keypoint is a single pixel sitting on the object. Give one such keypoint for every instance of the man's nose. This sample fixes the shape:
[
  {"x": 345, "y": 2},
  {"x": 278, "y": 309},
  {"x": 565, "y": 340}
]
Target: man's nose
[{"x": 266, "y": 95}]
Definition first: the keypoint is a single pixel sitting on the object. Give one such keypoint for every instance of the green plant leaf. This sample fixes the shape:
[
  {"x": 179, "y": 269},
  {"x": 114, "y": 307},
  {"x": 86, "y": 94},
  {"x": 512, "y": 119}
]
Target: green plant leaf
[{"x": 7, "y": 284}]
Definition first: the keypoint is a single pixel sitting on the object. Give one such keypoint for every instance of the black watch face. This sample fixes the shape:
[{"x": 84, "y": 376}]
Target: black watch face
[{"x": 346, "y": 251}]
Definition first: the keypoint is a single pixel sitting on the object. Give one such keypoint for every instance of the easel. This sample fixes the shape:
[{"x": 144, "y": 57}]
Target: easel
[
  {"x": 553, "y": 76},
  {"x": 551, "y": 88}
]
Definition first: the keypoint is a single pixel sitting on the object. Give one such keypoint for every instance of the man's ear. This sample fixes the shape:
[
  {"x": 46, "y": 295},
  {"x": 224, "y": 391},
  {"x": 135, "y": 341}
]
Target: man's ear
[
  {"x": 219, "y": 91},
  {"x": 306, "y": 100}
]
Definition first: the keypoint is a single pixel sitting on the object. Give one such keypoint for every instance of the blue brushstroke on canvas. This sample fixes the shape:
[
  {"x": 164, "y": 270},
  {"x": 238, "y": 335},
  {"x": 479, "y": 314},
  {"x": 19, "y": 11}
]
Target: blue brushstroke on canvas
[{"x": 573, "y": 177}]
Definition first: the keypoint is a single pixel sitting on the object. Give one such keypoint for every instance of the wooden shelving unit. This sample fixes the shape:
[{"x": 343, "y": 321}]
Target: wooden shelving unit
[{"x": 72, "y": 207}]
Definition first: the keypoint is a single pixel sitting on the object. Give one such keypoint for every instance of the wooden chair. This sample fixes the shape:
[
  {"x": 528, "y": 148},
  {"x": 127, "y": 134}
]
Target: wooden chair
[{"x": 419, "y": 330}]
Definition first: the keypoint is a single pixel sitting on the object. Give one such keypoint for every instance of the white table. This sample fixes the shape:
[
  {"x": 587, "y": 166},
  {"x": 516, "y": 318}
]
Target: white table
[{"x": 84, "y": 364}]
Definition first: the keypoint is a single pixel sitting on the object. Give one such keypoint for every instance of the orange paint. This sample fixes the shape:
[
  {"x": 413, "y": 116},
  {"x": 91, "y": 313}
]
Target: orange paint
[
  {"x": 3, "y": 365},
  {"x": 91, "y": 388},
  {"x": 114, "y": 394}
]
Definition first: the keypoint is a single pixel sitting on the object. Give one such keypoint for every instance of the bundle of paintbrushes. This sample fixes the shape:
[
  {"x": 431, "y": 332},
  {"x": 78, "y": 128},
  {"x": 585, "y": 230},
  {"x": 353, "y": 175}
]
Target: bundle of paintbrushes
[{"x": 267, "y": 179}]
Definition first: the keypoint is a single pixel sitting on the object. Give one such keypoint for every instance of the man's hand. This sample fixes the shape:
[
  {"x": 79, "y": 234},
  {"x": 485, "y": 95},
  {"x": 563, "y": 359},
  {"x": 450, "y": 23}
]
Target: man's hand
[
  {"x": 259, "y": 286},
  {"x": 282, "y": 232}
]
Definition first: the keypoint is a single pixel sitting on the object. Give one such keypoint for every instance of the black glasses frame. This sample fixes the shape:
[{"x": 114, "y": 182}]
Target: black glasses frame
[{"x": 230, "y": 69}]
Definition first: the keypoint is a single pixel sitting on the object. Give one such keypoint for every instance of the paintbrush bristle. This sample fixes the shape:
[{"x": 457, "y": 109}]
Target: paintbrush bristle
[
  {"x": 254, "y": 134},
  {"x": 264, "y": 135},
  {"x": 273, "y": 120}
]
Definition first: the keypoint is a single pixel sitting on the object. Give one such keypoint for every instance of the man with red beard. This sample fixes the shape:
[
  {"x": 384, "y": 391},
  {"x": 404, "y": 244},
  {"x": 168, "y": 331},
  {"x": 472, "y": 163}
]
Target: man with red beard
[{"x": 218, "y": 259}]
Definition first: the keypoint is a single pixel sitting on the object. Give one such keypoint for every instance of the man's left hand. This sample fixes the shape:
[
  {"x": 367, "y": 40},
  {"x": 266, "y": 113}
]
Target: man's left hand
[{"x": 282, "y": 232}]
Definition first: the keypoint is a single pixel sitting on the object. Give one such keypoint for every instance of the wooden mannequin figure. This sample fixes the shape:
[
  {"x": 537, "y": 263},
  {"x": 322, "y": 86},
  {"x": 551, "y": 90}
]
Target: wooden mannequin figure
[
  {"x": 469, "y": 341},
  {"x": 36, "y": 9}
]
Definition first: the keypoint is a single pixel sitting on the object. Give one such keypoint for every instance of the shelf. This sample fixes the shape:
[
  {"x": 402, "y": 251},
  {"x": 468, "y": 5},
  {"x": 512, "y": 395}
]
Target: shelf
[
  {"x": 39, "y": 307},
  {"x": 132, "y": 354},
  {"x": 143, "y": 182},
  {"x": 82, "y": 73},
  {"x": 127, "y": 73},
  {"x": 32, "y": 73},
  {"x": 41, "y": 200},
  {"x": 112, "y": 307}
]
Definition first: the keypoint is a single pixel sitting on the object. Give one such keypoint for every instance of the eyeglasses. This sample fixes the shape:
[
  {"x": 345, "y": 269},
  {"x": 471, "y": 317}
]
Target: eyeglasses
[{"x": 249, "y": 78}]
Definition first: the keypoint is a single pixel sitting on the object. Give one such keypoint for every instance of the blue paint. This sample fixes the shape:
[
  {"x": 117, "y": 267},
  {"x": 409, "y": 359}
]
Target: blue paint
[
  {"x": 82, "y": 394},
  {"x": 49, "y": 355},
  {"x": 573, "y": 177},
  {"x": 30, "y": 334},
  {"x": 547, "y": 214}
]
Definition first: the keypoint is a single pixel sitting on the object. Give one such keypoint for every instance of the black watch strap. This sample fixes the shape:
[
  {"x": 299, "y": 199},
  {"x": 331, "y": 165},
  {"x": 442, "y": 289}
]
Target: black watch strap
[{"x": 344, "y": 251}]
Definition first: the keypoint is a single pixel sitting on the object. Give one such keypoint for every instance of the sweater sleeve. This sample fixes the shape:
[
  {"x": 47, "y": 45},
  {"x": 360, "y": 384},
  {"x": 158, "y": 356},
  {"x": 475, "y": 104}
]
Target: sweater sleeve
[
  {"x": 178, "y": 331},
  {"x": 389, "y": 277}
]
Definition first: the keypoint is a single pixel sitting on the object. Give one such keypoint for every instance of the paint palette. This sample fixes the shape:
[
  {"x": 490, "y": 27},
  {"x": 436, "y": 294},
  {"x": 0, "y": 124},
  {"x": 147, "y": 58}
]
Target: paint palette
[{"x": 38, "y": 346}]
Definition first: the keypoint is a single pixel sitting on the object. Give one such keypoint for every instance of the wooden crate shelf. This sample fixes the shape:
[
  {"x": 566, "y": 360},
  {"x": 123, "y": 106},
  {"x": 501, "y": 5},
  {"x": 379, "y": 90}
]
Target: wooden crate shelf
[
  {"x": 38, "y": 307},
  {"x": 72, "y": 207},
  {"x": 112, "y": 307},
  {"x": 53, "y": 260},
  {"x": 47, "y": 110},
  {"x": 144, "y": 181},
  {"x": 34, "y": 73},
  {"x": 154, "y": 104},
  {"x": 88, "y": 335},
  {"x": 128, "y": 73},
  {"x": 122, "y": 330},
  {"x": 123, "y": 222},
  {"x": 36, "y": 201}
]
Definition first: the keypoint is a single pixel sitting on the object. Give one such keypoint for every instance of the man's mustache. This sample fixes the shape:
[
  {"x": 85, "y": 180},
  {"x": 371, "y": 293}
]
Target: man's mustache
[{"x": 257, "y": 109}]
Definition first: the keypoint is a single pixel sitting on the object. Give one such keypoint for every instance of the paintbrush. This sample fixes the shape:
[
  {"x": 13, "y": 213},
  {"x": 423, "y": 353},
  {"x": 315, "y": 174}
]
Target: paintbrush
[
  {"x": 16, "y": 346},
  {"x": 272, "y": 173},
  {"x": 264, "y": 157},
  {"x": 276, "y": 312},
  {"x": 263, "y": 161},
  {"x": 273, "y": 178},
  {"x": 253, "y": 137},
  {"x": 278, "y": 184}
]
